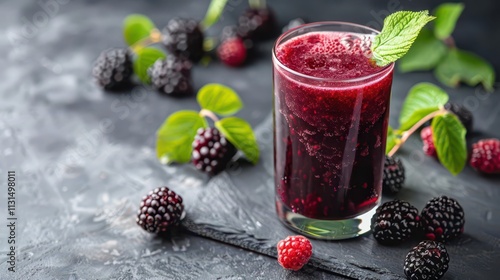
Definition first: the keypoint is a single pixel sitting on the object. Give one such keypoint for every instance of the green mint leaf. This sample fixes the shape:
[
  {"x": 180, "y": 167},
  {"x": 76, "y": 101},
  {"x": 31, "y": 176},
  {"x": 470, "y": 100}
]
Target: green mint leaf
[
  {"x": 136, "y": 27},
  {"x": 461, "y": 66},
  {"x": 399, "y": 31},
  {"x": 423, "y": 99},
  {"x": 241, "y": 135},
  {"x": 213, "y": 13},
  {"x": 425, "y": 53},
  {"x": 146, "y": 57},
  {"x": 391, "y": 140},
  {"x": 448, "y": 135},
  {"x": 175, "y": 137},
  {"x": 447, "y": 15},
  {"x": 219, "y": 99}
]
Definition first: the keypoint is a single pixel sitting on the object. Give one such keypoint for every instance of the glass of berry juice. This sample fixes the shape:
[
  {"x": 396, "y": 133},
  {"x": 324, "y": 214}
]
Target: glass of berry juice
[{"x": 331, "y": 109}]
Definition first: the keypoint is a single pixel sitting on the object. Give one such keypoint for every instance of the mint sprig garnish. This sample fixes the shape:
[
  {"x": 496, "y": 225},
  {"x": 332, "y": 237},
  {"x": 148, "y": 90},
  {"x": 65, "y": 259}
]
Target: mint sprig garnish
[
  {"x": 398, "y": 33},
  {"x": 435, "y": 49},
  {"x": 425, "y": 102},
  {"x": 175, "y": 136}
]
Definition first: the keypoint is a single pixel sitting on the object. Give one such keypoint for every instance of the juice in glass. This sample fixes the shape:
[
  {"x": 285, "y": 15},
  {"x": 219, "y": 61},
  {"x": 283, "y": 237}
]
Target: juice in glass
[{"x": 331, "y": 108}]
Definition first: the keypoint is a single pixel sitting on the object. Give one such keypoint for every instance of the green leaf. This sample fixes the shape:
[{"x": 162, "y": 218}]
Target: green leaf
[
  {"x": 447, "y": 15},
  {"x": 461, "y": 66},
  {"x": 399, "y": 31},
  {"x": 241, "y": 135},
  {"x": 175, "y": 137},
  {"x": 425, "y": 53},
  {"x": 136, "y": 27},
  {"x": 391, "y": 140},
  {"x": 448, "y": 135},
  {"x": 219, "y": 99},
  {"x": 213, "y": 13},
  {"x": 423, "y": 99},
  {"x": 146, "y": 57}
]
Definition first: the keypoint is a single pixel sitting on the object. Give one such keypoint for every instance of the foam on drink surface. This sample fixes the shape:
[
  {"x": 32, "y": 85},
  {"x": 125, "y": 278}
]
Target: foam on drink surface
[{"x": 336, "y": 55}]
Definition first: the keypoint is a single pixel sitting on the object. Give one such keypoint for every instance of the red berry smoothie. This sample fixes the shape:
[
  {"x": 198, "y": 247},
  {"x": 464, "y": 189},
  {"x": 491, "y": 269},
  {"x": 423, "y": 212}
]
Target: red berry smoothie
[{"x": 331, "y": 115}]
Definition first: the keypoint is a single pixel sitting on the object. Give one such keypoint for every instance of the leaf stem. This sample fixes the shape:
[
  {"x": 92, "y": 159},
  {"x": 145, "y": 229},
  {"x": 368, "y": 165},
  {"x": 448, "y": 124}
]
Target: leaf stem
[
  {"x": 414, "y": 128},
  {"x": 209, "y": 114},
  {"x": 154, "y": 37},
  {"x": 450, "y": 42}
]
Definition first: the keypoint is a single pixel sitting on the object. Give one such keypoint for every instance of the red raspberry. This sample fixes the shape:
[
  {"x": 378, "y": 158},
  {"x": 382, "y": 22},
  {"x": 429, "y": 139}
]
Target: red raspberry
[
  {"x": 232, "y": 52},
  {"x": 486, "y": 156},
  {"x": 294, "y": 252},
  {"x": 429, "y": 148}
]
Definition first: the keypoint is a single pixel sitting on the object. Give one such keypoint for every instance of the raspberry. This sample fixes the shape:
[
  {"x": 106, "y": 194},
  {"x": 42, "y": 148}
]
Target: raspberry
[
  {"x": 429, "y": 148},
  {"x": 294, "y": 252},
  {"x": 463, "y": 114},
  {"x": 428, "y": 260},
  {"x": 395, "y": 221},
  {"x": 293, "y": 23},
  {"x": 171, "y": 76},
  {"x": 184, "y": 38},
  {"x": 211, "y": 151},
  {"x": 486, "y": 156},
  {"x": 258, "y": 23},
  {"x": 232, "y": 52},
  {"x": 394, "y": 175},
  {"x": 232, "y": 31},
  {"x": 113, "y": 69},
  {"x": 161, "y": 209},
  {"x": 442, "y": 219}
]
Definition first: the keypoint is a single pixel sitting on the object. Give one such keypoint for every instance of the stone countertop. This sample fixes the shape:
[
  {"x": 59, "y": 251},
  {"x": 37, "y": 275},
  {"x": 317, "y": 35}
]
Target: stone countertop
[{"x": 84, "y": 158}]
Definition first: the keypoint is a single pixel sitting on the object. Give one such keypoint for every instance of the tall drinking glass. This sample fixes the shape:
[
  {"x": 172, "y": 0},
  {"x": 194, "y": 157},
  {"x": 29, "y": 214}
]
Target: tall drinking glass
[{"x": 331, "y": 108}]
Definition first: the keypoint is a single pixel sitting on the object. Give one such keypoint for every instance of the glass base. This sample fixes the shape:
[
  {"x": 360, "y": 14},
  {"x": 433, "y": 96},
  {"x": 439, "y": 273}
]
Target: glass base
[{"x": 325, "y": 229}]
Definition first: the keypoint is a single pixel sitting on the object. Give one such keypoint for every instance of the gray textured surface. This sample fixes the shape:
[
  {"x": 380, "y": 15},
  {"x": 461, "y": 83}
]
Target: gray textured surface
[{"x": 84, "y": 158}]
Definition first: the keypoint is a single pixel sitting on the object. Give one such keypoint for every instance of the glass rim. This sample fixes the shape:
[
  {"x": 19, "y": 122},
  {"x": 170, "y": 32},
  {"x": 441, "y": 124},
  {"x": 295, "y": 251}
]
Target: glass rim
[{"x": 320, "y": 79}]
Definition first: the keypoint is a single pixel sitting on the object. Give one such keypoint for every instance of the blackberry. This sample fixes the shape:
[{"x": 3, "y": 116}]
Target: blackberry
[
  {"x": 257, "y": 23},
  {"x": 293, "y": 23},
  {"x": 486, "y": 156},
  {"x": 161, "y": 209},
  {"x": 171, "y": 76},
  {"x": 113, "y": 69},
  {"x": 394, "y": 175},
  {"x": 442, "y": 219},
  {"x": 211, "y": 151},
  {"x": 395, "y": 221},
  {"x": 184, "y": 38},
  {"x": 463, "y": 114},
  {"x": 429, "y": 148},
  {"x": 428, "y": 260}
]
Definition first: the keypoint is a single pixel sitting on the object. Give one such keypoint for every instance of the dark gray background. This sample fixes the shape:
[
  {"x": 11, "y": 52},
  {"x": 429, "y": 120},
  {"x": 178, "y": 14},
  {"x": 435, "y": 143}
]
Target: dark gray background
[{"x": 84, "y": 158}]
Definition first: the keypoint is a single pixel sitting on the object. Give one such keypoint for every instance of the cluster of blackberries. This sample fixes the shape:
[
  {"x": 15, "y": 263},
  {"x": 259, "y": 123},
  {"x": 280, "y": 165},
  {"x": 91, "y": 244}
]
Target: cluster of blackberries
[
  {"x": 441, "y": 220},
  {"x": 183, "y": 39},
  {"x": 485, "y": 155}
]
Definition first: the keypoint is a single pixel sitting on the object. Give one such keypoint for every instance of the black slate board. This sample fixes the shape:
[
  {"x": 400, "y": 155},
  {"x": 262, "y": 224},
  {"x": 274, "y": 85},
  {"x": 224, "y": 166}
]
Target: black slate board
[{"x": 237, "y": 207}]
